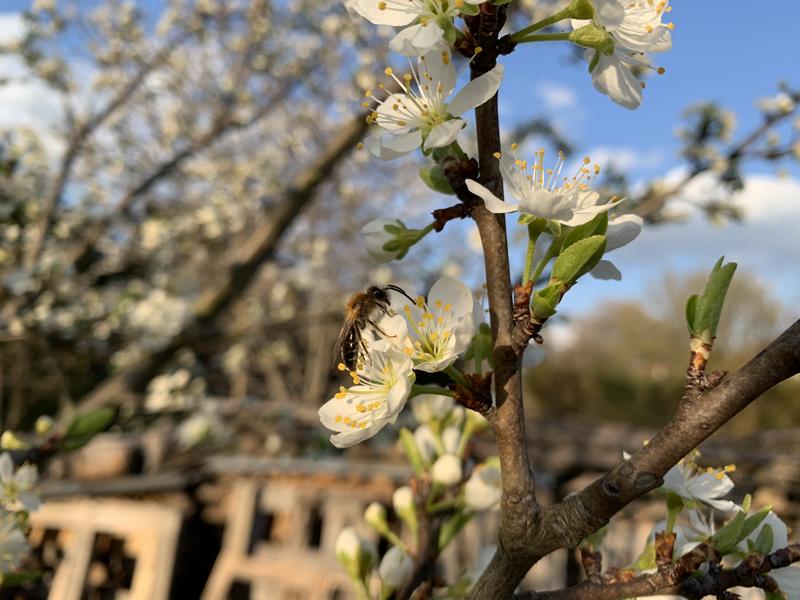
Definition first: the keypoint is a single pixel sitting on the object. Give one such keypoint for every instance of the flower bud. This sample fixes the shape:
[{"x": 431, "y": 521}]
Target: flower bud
[
  {"x": 396, "y": 568},
  {"x": 484, "y": 487},
  {"x": 9, "y": 441},
  {"x": 426, "y": 443},
  {"x": 429, "y": 407},
  {"x": 592, "y": 36},
  {"x": 581, "y": 9},
  {"x": 403, "y": 499},
  {"x": 456, "y": 416},
  {"x": 375, "y": 516},
  {"x": 357, "y": 555},
  {"x": 451, "y": 436},
  {"x": 447, "y": 470},
  {"x": 43, "y": 424}
]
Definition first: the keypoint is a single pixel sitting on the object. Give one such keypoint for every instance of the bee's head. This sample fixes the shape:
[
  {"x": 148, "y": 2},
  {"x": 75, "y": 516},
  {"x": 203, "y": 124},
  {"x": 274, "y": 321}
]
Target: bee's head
[{"x": 378, "y": 294}]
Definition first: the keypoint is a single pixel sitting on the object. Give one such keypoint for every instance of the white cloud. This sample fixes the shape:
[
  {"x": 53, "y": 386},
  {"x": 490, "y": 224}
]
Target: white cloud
[
  {"x": 556, "y": 96},
  {"x": 766, "y": 242},
  {"x": 625, "y": 158}
]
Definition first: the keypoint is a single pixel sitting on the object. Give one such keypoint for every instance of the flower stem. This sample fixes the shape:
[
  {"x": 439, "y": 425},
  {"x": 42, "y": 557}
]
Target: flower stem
[
  {"x": 457, "y": 377},
  {"x": 551, "y": 252},
  {"x": 416, "y": 390},
  {"x": 555, "y": 18},
  {"x": 533, "y": 235},
  {"x": 544, "y": 37}
]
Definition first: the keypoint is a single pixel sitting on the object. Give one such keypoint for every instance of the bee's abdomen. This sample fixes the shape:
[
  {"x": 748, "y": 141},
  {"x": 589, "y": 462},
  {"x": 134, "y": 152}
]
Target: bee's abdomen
[{"x": 350, "y": 349}]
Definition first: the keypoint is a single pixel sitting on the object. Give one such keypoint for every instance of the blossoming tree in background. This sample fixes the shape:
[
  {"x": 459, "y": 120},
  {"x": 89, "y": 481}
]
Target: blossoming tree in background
[{"x": 707, "y": 544}]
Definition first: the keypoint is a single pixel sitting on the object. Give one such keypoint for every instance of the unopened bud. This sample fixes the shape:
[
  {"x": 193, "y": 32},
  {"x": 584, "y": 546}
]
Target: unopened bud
[{"x": 592, "y": 36}]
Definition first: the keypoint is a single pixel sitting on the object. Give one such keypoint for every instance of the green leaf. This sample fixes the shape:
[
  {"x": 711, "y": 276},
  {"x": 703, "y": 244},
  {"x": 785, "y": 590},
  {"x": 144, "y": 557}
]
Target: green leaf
[
  {"x": 691, "y": 310},
  {"x": 647, "y": 559},
  {"x": 708, "y": 307},
  {"x": 85, "y": 426},
  {"x": 19, "y": 578},
  {"x": 473, "y": 9},
  {"x": 434, "y": 178},
  {"x": 753, "y": 521},
  {"x": 578, "y": 259},
  {"x": 596, "y": 226},
  {"x": 774, "y": 596}
]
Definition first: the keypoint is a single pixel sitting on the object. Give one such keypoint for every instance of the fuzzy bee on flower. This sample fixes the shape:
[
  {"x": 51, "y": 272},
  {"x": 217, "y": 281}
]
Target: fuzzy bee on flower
[{"x": 362, "y": 311}]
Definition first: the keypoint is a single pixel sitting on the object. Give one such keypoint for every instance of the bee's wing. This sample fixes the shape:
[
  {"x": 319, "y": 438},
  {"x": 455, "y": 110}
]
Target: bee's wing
[{"x": 348, "y": 325}]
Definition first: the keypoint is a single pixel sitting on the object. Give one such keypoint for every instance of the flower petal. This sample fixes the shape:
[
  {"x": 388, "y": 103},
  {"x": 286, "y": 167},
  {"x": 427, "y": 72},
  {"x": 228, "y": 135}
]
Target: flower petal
[
  {"x": 417, "y": 39},
  {"x": 608, "y": 13},
  {"x": 393, "y": 146},
  {"x": 371, "y": 10},
  {"x": 547, "y": 205},
  {"x": 606, "y": 270},
  {"x": 397, "y": 113},
  {"x": 493, "y": 203},
  {"x": 622, "y": 230},
  {"x": 612, "y": 77},
  {"x": 444, "y": 133},
  {"x": 476, "y": 92}
]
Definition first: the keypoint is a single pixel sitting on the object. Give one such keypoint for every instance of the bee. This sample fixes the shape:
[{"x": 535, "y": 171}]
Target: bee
[{"x": 363, "y": 310}]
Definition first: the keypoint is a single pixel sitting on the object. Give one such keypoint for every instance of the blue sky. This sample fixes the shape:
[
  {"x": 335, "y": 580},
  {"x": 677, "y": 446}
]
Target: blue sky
[{"x": 727, "y": 51}]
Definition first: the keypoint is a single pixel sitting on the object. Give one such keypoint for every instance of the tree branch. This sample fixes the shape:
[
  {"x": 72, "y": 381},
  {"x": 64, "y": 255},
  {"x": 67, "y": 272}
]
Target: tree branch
[{"x": 519, "y": 511}]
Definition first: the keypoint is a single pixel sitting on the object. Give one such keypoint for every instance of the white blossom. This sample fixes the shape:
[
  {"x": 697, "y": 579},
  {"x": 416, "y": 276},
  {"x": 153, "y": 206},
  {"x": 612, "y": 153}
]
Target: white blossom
[
  {"x": 13, "y": 545},
  {"x": 422, "y": 20},
  {"x": 635, "y": 28},
  {"x": 621, "y": 230},
  {"x": 544, "y": 192},
  {"x": 695, "y": 484},
  {"x": 426, "y": 443},
  {"x": 17, "y": 487},
  {"x": 402, "y": 499},
  {"x": 421, "y": 114},
  {"x": 441, "y": 328},
  {"x": 382, "y": 384}
]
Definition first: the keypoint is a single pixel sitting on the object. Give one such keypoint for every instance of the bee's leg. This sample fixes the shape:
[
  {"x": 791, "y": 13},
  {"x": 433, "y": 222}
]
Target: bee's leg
[
  {"x": 374, "y": 325},
  {"x": 363, "y": 350}
]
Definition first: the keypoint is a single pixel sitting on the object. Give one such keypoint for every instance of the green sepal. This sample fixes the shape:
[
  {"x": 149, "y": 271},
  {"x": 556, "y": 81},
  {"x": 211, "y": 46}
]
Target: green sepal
[
  {"x": 545, "y": 301},
  {"x": 448, "y": 28},
  {"x": 592, "y": 36},
  {"x": 647, "y": 559},
  {"x": 395, "y": 229},
  {"x": 555, "y": 228},
  {"x": 674, "y": 507},
  {"x": 578, "y": 259},
  {"x": 434, "y": 178},
  {"x": 597, "y": 226},
  {"x": 474, "y": 9},
  {"x": 85, "y": 426},
  {"x": 393, "y": 245},
  {"x": 15, "y": 579},
  {"x": 411, "y": 451}
]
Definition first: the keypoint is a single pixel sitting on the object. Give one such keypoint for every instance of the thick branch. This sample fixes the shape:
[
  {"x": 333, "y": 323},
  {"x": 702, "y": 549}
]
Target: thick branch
[{"x": 519, "y": 511}]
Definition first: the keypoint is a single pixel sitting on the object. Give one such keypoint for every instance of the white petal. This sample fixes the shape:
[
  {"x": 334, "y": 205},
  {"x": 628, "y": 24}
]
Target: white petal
[
  {"x": 584, "y": 215},
  {"x": 612, "y": 77},
  {"x": 622, "y": 230},
  {"x": 608, "y": 13},
  {"x": 6, "y": 467},
  {"x": 438, "y": 64},
  {"x": 476, "y": 92},
  {"x": 393, "y": 146},
  {"x": 606, "y": 270},
  {"x": 492, "y": 202},
  {"x": 788, "y": 579},
  {"x": 371, "y": 11},
  {"x": 444, "y": 133},
  {"x": 417, "y": 39},
  {"x": 547, "y": 205},
  {"x": 397, "y": 107},
  {"x": 352, "y": 437}
]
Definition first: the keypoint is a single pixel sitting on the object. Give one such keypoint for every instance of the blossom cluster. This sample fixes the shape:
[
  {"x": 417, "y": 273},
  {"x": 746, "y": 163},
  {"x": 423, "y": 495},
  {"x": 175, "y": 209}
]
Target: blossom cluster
[
  {"x": 457, "y": 489},
  {"x": 699, "y": 512},
  {"x": 17, "y": 498},
  {"x": 427, "y": 335}
]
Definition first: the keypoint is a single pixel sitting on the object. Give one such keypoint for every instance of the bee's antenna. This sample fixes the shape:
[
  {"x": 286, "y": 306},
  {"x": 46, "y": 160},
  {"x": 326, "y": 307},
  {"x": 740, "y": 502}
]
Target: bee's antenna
[{"x": 401, "y": 291}]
